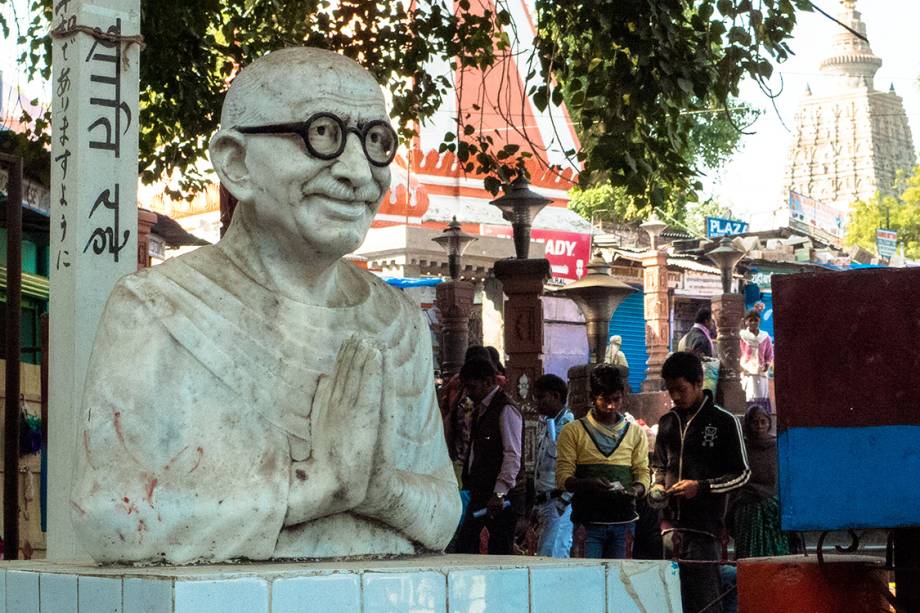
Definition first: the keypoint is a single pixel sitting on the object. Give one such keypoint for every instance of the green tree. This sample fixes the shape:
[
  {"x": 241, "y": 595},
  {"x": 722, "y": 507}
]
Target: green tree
[
  {"x": 695, "y": 219},
  {"x": 900, "y": 212},
  {"x": 632, "y": 68},
  {"x": 713, "y": 139}
]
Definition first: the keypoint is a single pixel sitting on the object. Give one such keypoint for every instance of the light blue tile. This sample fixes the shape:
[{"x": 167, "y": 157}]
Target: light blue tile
[
  {"x": 148, "y": 595},
  {"x": 419, "y": 592},
  {"x": 572, "y": 588},
  {"x": 2, "y": 591},
  {"x": 488, "y": 591},
  {"x": 226, "y": 596},
  {"x": 58, "y": 593},
  {"x": 643, "y": 585},
  {"x": 22, "y": 591},
  {"x": 317, "y": 594},
  {"x": 99, "y": 595}
]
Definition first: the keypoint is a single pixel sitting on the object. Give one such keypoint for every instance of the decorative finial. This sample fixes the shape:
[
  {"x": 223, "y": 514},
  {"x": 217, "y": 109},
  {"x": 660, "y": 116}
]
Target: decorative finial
[
  {"x": 891, "y": 89},
  {"x": 808, "y": 89},
  {"x": 849, "y": 4}
]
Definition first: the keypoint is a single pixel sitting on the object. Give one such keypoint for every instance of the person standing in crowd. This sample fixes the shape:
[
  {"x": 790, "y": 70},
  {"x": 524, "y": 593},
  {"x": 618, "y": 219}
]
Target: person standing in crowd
[
  {"x": 493, "y": 472},
  {"x": 456, "y": 409},
  {"x": 756, "y": 361},
  {"x": 552, "y": 506},
  {"x": 603, "y": 460},
  {"x": 615, "y": 355},
  {"x": 496, "y": 360},
  {"x": 755, "y": 508},
  {"x": 698, "y": 340},
  {"x": 699, "y": 458}
]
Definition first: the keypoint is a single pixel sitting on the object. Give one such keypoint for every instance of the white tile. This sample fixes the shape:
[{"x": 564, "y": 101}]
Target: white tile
[
  {"x": 488, "y": 591},
  {"x": 99, "y": 595},
  {"x": 413, "y": 592},
  {"x": 58, "y": 593},
  {"x": 555, "y": 589},
  {"x": 340, "y": 592},
  {"x": 643, "y": 585},
  {"x": 148, "y": 595},
  {"x": 22, "y": 591},
  {"x": 225, "y": 596}
]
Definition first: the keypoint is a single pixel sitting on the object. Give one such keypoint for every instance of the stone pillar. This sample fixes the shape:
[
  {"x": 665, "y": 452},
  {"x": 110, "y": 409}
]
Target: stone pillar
[
  {"x": 93, "y": 213},
  {"x": 145, "y": 221},
  {"x": 727, "y": 311},
  {"x": 455, "y": 301},
  {"x": 522, "y": 282},
  {"x": 657, "y": 317}
]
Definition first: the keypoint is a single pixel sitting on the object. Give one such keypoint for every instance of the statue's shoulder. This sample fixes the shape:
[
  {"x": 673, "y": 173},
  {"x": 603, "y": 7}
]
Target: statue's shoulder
[
  {"x": 383, "y": 295},
  {"x": 149, "y": 286}
]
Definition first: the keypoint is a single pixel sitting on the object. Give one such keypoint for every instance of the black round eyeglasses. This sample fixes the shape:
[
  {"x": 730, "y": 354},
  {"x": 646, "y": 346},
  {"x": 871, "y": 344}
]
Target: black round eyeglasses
[{"x": 325, "y": 136}]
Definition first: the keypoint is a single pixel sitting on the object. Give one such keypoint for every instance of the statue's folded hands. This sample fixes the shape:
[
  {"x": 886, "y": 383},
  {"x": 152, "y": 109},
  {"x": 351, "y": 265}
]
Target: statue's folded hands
[{"x": 345, "y": 420}]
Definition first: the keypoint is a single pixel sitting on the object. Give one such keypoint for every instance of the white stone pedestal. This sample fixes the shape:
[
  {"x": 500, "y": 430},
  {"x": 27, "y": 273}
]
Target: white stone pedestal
[{"x": 436, "y": 584}]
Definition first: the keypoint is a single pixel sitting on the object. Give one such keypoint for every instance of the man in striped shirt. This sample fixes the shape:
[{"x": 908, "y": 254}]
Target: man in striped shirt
[{"x": 699, "y": 458}]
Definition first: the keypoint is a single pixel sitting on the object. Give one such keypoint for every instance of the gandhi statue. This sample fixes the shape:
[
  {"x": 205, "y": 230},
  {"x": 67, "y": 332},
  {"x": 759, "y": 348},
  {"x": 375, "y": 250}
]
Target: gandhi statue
[{"x": 262, "y": 398}]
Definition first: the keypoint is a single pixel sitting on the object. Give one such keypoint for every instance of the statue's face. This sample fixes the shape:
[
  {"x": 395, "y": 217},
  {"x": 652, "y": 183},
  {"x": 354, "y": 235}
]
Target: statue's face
[{"x": 328, "y": 204}]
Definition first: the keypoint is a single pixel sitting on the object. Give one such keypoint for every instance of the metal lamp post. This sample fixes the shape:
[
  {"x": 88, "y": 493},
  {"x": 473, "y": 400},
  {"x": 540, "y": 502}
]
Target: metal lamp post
[
  {"x": 454, "y": 299},
  {"x": 725, "y": 256},
  {"x": 727, "y": 310},
  {"x": 520, "y": 205},
  {"x": 597, "y": 295},
  {"x": 454, "y": 241},
  {"x": 653, "y": 227},
  {"x": 657, "y": 307}
]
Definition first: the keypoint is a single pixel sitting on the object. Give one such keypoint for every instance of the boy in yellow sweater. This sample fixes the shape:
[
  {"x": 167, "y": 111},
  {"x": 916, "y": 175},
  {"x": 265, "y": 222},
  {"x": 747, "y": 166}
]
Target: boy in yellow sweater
[{"x": 603, "y": 460}]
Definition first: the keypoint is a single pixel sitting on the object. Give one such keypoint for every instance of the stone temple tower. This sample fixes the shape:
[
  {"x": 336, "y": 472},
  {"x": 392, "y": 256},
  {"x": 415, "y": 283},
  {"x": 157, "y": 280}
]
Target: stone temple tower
[{"x": 850, "y": 139}]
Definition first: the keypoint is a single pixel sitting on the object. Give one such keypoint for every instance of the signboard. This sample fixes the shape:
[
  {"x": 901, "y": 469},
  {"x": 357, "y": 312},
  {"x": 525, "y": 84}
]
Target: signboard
[
  {"x": 886, "y": 241},
  {"x": 813, "y": 215},
  {"x": 567, "y": 252},
  {"x": 718, "y": 226}
]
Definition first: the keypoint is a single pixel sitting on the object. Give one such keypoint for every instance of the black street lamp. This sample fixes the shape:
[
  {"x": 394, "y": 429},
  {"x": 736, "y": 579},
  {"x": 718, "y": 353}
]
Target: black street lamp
[
  {"x": 454, "y": 241},
  {"x": 597, "y": 295},
  {"x": 725, "y": 256},
  {"x": 519, "y": 205}
]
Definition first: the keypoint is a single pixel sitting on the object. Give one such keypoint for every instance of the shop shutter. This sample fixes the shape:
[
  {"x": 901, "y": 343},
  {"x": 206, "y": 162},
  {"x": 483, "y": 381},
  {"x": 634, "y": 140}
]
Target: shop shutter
[{"x": 629, "y": 322}]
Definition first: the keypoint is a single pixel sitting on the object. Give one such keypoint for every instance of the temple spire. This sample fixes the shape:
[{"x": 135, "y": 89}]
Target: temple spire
[{"x": 851, "y": 62}]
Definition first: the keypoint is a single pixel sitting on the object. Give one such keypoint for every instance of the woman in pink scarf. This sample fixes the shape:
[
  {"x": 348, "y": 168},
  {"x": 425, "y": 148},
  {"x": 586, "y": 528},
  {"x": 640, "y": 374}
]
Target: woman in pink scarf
[{"x": 756, "y": 360}]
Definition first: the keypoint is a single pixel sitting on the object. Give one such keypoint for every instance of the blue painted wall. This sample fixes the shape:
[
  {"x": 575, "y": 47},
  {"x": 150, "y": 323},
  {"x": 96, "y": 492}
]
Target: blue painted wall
[
  {"x": 629, "y": 322},
  {"x": 859, "y": 477}
]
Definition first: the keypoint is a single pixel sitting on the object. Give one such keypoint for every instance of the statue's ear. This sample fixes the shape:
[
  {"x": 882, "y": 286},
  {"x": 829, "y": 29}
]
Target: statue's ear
[{"x": 228, "y": 156}]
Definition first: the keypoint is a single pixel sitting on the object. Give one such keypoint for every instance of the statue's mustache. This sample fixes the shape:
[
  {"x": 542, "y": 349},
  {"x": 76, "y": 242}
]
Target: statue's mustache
[{"x": 369, "y": 193}]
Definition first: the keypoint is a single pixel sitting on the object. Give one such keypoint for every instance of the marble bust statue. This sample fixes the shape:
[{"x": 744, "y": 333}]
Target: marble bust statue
[{"x": 262, "y": 398}]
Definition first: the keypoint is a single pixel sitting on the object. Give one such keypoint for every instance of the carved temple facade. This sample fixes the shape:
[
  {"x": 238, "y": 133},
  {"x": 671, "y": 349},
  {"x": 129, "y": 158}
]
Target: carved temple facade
[{"x": 850, "y": 138}]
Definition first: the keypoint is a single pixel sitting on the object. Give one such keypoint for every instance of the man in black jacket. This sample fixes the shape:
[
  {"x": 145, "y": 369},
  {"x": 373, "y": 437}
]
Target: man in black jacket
[
  {"x": 493, "y": 471},
  {"x": 699, "y": 457}
]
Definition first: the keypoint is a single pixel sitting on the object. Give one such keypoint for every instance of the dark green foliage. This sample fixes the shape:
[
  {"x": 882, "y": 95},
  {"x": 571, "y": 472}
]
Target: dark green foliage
[{"x": 629, "y": 69}]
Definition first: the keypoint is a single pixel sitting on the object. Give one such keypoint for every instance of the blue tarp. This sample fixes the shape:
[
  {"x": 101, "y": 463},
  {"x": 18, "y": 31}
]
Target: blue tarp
[{"x": 407, "y": 282}]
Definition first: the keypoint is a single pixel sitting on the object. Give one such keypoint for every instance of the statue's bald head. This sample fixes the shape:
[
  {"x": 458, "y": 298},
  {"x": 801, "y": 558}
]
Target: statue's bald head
[{"x": 288, "y": 84}]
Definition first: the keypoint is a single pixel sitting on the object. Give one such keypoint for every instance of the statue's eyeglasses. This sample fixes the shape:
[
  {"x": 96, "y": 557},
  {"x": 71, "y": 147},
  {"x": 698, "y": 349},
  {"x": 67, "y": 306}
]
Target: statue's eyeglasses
[{"x": 325, "y": 134}]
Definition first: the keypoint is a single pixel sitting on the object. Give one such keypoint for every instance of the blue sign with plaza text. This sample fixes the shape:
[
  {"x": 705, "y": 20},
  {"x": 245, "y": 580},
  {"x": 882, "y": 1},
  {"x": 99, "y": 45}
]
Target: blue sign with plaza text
[{"x": 717, "y": 226}]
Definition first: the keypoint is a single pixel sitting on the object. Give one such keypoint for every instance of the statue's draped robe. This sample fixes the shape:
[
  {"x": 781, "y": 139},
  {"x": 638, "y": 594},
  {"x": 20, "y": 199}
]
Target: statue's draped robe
[{"x": 184, "y": 454}]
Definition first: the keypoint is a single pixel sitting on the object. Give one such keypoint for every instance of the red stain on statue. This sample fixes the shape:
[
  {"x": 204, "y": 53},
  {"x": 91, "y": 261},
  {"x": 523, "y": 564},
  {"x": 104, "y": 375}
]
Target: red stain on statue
[
  {"x": 129, "y": 506},
  {"x": 116, "y": 423},
  {"x": 151, "y": 485},
  {"x": 200, "y": 453}
]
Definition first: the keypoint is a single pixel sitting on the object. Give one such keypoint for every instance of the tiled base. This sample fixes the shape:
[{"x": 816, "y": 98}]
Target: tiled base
[{"x": 436, "y": 584}]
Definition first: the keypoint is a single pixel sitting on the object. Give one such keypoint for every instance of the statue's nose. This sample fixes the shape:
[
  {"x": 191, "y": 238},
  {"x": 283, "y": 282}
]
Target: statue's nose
[{"x": 352, "y": 166}]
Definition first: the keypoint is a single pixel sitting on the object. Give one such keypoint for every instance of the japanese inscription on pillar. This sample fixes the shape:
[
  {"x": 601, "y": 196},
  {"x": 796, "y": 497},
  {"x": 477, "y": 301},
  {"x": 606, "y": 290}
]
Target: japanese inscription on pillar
[{"x": 95, "y": 58}]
